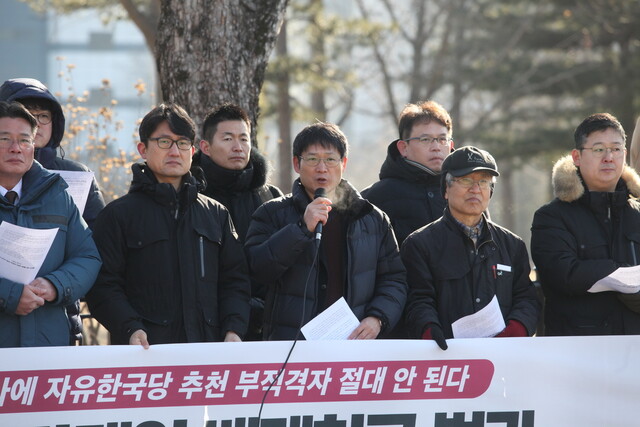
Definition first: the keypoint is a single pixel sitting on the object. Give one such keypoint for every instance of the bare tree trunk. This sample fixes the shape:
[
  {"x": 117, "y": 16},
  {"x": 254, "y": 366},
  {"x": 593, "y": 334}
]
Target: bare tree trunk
[
  {"x": 318, "y": 58},
  {"x": 145, "y": 19},
  {"x": 285, "y": 169},
  {"x": 214, "y": 51}
]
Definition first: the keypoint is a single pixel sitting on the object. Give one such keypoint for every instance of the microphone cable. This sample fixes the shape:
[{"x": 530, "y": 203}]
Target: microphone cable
[{"x": 293, "y": 345}]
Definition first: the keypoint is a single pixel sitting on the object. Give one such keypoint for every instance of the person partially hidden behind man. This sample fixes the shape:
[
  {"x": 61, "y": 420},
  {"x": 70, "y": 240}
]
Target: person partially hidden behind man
[
  {"x": 457, "y": 264},
  {"x": 33, "y": 314},
  {"x": 174, "y": 270},
  {"x": 409, "y": 186},
  {"x": 587, "y": 232},
  {"x": 358, "y": 255}
]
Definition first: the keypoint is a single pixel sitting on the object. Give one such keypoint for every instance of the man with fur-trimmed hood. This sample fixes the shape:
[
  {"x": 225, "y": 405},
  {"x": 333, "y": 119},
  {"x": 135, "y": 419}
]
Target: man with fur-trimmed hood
[{"x": 587, "y": 232}]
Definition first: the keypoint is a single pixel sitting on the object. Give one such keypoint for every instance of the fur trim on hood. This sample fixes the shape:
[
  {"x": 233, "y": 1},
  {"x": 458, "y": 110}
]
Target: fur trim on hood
[{"x": 568, "y": 185}]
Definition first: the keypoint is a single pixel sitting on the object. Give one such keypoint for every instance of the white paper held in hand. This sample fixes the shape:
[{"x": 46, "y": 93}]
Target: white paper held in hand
[
  {"x": 624, "y": 279},
  {"x": 487, "y": 322},
  {"x": 335, "y": 323},
  {"x": 23, "y": 250}
]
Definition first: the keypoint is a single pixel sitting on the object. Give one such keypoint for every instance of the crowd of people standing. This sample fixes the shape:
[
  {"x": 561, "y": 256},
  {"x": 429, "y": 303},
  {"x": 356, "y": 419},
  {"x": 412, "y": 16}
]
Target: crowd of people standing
[{"x": 203, "y": 248}]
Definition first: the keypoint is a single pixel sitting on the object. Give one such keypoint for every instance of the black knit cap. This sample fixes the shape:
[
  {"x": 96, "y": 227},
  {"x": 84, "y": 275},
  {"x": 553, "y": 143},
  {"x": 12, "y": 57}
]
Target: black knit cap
[{"x": 466, "y": 160}]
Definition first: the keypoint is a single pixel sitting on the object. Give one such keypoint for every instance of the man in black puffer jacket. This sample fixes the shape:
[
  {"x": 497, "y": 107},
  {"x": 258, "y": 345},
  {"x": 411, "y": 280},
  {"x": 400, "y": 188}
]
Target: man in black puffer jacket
[
  {"x": 587, "y": 232},
  {"x": 409, "y": 186},
  {"x": 47, "y": 110},
  {"x": 235, "y": 174},
  {"x": 358, "y": 254}
]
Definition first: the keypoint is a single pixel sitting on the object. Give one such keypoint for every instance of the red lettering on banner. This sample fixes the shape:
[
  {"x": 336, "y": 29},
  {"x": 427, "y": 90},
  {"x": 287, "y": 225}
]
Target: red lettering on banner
[{"x": 111, "y": 388}]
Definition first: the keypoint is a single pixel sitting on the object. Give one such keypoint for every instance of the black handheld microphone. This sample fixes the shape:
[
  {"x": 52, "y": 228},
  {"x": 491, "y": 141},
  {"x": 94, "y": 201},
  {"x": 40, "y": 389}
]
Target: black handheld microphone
[{"x": 320, "y": 192}]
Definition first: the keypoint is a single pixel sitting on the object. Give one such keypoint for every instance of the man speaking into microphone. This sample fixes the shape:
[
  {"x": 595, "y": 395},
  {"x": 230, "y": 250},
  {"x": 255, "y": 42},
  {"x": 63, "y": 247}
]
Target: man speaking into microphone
[{"x": 357, "y": 257}]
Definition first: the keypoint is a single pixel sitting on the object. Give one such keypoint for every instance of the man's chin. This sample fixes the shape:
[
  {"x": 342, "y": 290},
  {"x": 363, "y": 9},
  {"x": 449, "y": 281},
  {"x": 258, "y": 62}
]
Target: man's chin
[{"x": 435, "y": 166}]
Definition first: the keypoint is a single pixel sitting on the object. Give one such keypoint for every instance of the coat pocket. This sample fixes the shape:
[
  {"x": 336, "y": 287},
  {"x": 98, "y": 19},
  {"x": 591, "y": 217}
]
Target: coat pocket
[{"x": 208, "y": 242}]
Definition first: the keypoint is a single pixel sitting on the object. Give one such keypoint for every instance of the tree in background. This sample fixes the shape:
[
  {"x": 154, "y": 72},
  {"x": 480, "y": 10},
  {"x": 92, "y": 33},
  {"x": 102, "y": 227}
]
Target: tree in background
[
  {"x": 216, "y": 51},
  {"x": 516, "y": 75},
  {"x": 207, "y": 52}
]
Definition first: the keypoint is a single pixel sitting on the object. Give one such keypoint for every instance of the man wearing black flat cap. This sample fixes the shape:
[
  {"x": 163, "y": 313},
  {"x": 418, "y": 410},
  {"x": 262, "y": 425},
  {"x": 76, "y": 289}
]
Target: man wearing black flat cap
[{"x": 457, "y": 264}]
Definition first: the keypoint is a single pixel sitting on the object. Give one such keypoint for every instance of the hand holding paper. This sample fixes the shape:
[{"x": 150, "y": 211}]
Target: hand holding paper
[
  {"x": 29, "y": 301},
  {"x": 485, "y": 323},
  {"x": 624, "y": 279},
  {"x": 44, "y": 289},
  {"x": 23, "y": 251},
  {"x": 335, "y": 323}
]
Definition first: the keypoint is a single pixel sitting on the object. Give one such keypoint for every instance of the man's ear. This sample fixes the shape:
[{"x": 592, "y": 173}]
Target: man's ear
[
  {"x": 575, "y": 155},
  {"x": 402, "y": 147},
  {"x": 205, "y": 146},
  {"x": 142, "y": 149},
  {"x": 296, "y": 164}
]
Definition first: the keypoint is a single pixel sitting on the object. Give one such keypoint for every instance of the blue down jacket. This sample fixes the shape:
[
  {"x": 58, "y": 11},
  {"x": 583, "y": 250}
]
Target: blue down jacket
[{"x": 71, "y": 265}]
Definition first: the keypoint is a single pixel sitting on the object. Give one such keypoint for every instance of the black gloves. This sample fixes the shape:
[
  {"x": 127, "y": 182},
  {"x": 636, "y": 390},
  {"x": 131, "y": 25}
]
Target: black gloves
[{"x": 434, "y": 332}]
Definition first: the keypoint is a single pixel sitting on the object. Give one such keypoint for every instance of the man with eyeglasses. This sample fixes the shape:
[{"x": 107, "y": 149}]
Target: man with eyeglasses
[
  {"x": 590, "y": 230},
  {"x": 51, "y": 126},
  {"x": 33, "y": 314},
  {"x": 355, "y": 256},
  {"x": 409, "y": 186},
  {"x": 173, "y": 268},
  {"x": 459, "y": 263},
  {"x": 236, "y": 175}
]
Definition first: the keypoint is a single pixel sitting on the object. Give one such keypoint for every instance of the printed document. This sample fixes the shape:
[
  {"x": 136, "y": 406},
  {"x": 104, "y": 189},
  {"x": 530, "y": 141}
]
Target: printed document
[
  {"x": 487, "y": 322},
  {"x": 335, "y": 323},
  {"x": 22, "y": 251},
  {"x": 624, "y": 279},
  {"x": 79, "y": 183}
]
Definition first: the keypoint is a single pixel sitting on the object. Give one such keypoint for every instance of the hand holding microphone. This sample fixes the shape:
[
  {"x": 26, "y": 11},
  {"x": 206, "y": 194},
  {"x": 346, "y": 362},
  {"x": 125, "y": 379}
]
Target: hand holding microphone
[{"x": 317, "y": 213}]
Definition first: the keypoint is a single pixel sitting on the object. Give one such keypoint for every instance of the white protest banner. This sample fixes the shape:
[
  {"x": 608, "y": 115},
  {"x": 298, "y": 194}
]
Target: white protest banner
[{"x": 512, "y": 382}]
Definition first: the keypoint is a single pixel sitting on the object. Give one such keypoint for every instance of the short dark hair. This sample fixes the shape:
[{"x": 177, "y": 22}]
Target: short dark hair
[
  {"x": 594, "y": 123},
  {"x": 16, "y": 110},
  {"x": 37, "y": 104},
  {"x": 179, "y": 122},
  {"x": 328, "y": 135},
  {"x": 222, "y": 113},
  {"x": 423, "y": 112}
]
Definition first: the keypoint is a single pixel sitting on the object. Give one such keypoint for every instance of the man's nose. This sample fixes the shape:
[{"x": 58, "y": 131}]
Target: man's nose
[
  {"x": 608, "y": 154},
  {"x": 237, "y": 146},
  {"x": 321, "y": 166},
  {"x": 15, "y": 145},
  {"x": 174, "y": 150},
  {"x": 475, "y": 187}
]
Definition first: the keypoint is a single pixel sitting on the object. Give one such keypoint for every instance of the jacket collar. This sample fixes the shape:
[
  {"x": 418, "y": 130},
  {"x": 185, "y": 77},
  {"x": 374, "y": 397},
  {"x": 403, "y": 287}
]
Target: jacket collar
[
  {"x": 145, "y": 181},
  {"x": 351, "y": 204},
  {"x": 396, "y": 166},
  {"x": 569, "y": 187},
  {"x": 487, "y": 233},
  {"x": 216, "y": 177}
]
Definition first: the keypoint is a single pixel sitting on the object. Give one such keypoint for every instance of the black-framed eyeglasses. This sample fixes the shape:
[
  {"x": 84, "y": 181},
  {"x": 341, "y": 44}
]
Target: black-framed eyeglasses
[
  {"x": 43, "y": 118},
  {"x": 426, "y": 139},
  {"x": 165, "y": 143},
  {"x": 484, "y": 184},
  {"x": 23, "y": 142},
  {"x": 600, "y": 150},
  {"x": 330, "y": 162}
]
